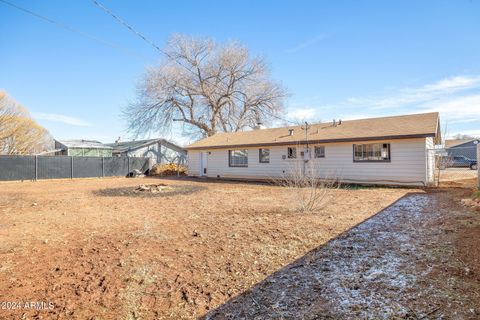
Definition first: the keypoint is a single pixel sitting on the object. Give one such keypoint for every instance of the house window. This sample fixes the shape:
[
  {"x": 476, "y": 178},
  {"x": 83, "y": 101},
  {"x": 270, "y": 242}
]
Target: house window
[
  {"x": 238, "y": 158},
  {"x": 371, "y": 152},
  {"x": 292, "y": 153},
  {"x": 319, "y": 152},
  {"x": 264, "y": 155}
]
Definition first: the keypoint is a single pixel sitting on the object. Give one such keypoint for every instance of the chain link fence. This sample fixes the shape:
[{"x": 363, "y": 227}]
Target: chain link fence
[
  {"x": 61, "y": 167},
  {"x": 456, "y": 165}
]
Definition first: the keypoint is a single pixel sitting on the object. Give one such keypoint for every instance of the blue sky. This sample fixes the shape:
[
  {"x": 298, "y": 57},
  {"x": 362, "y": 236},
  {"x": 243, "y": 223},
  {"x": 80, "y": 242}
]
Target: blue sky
[{"x": 338, "y": 59}]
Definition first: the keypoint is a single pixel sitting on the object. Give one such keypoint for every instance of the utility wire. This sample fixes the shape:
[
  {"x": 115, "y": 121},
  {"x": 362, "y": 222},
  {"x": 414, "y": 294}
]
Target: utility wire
[
  {"x": 156, "y": 47},
  {"x": 123, "y": 22},
  {"x": 74, "y": 30}
]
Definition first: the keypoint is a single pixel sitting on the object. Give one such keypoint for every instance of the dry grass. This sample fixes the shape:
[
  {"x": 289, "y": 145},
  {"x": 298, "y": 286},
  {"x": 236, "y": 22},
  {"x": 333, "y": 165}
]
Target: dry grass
[{"x": 95, "y": 252}]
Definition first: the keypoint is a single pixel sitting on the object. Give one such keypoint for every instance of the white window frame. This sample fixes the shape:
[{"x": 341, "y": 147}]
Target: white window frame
[
  {"x": 292, "y": 152},
  {"x": 236, "y": 163},
  {"x": 319, "y": 154},
  {"x": 260, "y": 155},
  {"x": 372, "y": 152}
]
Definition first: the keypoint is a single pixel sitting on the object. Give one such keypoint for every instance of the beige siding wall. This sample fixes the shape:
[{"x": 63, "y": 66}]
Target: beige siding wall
[
  {"x": 193, "y": 163},
  {"x": 407, "y": 166}
]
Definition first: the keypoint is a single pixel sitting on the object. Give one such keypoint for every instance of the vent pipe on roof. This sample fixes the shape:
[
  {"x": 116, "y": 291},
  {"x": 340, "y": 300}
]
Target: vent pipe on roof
[
  {"x": 258, "y": 126},
  {"x": 290, "y": 132},
  {"x": 118, "y": 140},
  {"x": 339, "y": 121}
]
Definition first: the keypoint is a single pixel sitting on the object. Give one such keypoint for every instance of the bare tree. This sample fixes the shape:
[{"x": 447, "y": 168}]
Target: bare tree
[
  {"x": 19, "y": 133},
  {"x": 310, "y": 191},
  {"x": 210, "y": 87}
]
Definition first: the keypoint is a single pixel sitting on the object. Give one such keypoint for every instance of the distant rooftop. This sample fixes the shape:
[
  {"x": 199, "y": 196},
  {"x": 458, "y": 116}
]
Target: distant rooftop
[
  {"x": 123, "y": 146},
  {"x": 455, "y": 142},
  {"x": 91, "y": 144}
]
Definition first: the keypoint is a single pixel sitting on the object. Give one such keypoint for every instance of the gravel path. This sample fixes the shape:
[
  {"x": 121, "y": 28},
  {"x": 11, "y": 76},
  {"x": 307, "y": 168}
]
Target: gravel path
[{"x": 398, "y": 264}]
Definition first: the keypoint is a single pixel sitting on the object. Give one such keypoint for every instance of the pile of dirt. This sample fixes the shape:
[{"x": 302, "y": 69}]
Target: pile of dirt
[
  {"x": 153, "y": 188},
  {"x": 149, "y": 190}
]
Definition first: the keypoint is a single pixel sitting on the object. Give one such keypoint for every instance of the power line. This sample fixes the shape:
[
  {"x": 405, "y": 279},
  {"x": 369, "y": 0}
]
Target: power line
[
  {"x": 123, "y": 22},
  {"x": 156, "y": 47},
  {"x": 73, "y": 30}
]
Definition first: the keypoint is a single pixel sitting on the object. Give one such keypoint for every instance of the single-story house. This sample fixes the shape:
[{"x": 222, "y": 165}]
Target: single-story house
[
  {"x": 389, "y": 150},
  {"x": 159, "y": 150},
  {"x": 459, "y": 148},
  {"x": 82, "y": 148}
]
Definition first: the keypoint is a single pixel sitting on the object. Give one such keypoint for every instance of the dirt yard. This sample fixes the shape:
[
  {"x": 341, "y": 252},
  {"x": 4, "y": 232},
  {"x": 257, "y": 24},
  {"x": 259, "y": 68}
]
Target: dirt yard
[
  {"x": 165, "y": 248},
  {"x": 100, "y": 249},
  {"x": 417, "y": 259}
]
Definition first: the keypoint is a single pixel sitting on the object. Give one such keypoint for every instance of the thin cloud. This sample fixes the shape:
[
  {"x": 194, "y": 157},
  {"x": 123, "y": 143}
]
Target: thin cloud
[
  {"x": 427, "y": 93},
  {"x": 457, "y": 110},
  {"x": 62, "y": 119},
  {"x": 300, "y": 114},
  {"x": 307, "y": 43},
  {"x": 473, "y": 133},
  {"x": 457, "y": 99}
]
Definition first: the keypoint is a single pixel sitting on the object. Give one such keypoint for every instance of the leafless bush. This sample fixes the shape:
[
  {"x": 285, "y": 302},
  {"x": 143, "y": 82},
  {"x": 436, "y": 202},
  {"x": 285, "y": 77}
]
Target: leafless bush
[
  {"x": 310, "y": 191},
  {"x": 442, "y": 162}
]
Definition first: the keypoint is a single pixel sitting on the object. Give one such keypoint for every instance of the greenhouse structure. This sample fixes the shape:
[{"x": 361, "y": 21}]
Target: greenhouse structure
[{"x": 82, "y": 148}]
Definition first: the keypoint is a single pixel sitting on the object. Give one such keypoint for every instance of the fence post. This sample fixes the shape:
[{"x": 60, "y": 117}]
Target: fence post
[
  {"x": 478, "y": 168},
  {"x": 36, "y": 167},
  {"x": 128, "y": 165},
  {"x": 71, "y": 167},
  {"x": 103, "y": 167}
]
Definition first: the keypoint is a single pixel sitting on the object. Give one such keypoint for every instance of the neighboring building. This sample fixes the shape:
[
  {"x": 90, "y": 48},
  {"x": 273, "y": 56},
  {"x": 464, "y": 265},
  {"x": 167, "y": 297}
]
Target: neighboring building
[
  {"x": 389, "y": 150},
  {"x": 85, "y": 148},
  {"x": 465, "y": 148},
  {"x": 159, "y": 150},
  {"x": 455, "y": 142}
]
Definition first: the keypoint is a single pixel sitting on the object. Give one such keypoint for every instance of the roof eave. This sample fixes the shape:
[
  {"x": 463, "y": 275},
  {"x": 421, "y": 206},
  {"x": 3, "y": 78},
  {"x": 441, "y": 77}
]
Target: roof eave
[{"x": 410, "y": 136}]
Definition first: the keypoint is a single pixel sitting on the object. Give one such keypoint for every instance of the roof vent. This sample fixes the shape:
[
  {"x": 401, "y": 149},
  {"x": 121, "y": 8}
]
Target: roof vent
[
  {"x": 334, "y": 123},
  {"x": 290, "y": 132},
  {"x": 339, "y": 121},
  {"x": 259, "y": 126}
]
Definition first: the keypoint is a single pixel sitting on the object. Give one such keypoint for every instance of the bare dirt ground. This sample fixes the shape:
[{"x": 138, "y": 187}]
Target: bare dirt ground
[
  {"x": 418, "y": 259},
  {"x": 98, "y": 249},
  {"x": 457, "y": 174}
]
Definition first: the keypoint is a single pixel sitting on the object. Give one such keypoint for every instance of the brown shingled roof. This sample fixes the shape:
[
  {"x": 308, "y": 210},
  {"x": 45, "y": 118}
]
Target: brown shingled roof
[
  {"x": 406, "y": 126},
  {"x": 455, "y": 142}
]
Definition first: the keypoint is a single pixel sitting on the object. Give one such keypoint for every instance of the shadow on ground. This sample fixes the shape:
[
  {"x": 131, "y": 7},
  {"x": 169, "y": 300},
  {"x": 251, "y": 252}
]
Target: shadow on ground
[{"x": 379, "y": 269}]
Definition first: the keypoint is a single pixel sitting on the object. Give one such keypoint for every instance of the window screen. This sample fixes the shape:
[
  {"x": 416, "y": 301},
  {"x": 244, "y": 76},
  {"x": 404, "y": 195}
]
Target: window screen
[
  {"x": 264, "y": 155},
  {"x": 371, "y": 152},
  {"x": 238, "y": 158}
]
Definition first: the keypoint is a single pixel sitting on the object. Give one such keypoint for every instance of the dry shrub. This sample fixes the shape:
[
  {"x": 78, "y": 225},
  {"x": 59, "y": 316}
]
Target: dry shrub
[
  {"x": 168, "y": 169},
  {"x": 310, "y": 191}
]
